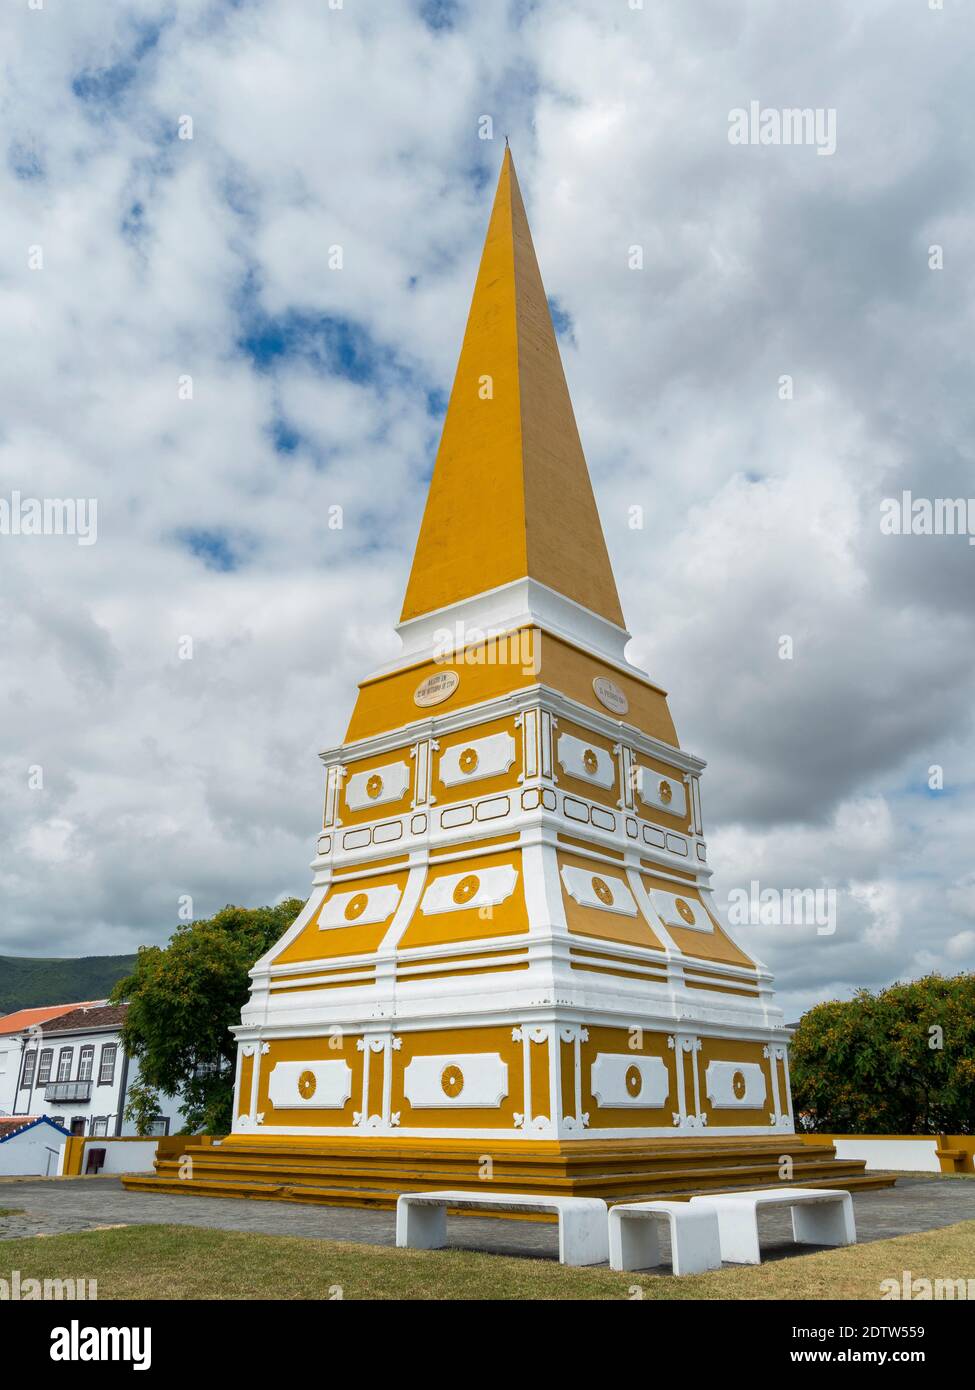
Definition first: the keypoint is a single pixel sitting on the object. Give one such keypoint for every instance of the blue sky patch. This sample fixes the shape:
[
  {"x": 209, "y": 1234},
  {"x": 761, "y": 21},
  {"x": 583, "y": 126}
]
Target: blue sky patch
[
  {"x": 104, "y": 87},
  {"x": 24, "y": 160},
  {"x": 439, "y": 14},
  {"x": 214, "y": 547}
]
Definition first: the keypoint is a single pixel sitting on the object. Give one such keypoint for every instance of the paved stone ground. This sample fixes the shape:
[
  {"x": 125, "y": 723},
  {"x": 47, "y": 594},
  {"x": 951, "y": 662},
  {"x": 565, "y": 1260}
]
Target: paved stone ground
[{"x": 81, "y": 1204}]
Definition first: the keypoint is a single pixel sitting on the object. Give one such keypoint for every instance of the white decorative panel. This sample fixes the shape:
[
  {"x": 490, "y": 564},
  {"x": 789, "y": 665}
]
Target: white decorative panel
[
  {"x": 663, "y": 793},
  {"x": 626, "y": 1080},
  {"x": 736, "y": 1085},
  {"x": 377, "y": 786},
  {"x": 457, "y": 815},
  {"x": 456, "y": 1081},
  {"x": 596, "y": 888},
  {"x": 473, "y": 888},
  {"x": 310, "y": 1085},
  {"x": 480, "y": 757},
  {"x": 389, "y": 830},
  {"x": 360, "y": 907},
  {"x": 586, "y": 761},
  {"x": 677, "y": 911}
]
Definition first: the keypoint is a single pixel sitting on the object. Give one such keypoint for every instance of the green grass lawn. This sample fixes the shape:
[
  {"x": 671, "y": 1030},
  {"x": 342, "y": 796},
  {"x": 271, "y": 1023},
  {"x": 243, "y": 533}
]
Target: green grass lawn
[{"x": 181, "y": 1262}]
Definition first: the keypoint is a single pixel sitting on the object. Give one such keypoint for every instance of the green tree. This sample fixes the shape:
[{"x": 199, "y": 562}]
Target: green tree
[
  {"x": 901, "y": 1061},
  {"x": 183, "y": 1000}
]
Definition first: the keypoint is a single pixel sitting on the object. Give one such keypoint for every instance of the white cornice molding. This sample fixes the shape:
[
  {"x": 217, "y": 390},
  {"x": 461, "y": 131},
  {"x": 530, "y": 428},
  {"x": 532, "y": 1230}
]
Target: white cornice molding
[{"x": 448, "y": 631}]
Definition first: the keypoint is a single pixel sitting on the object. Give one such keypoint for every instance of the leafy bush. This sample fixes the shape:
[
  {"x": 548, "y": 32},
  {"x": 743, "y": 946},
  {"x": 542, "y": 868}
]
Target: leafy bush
[{"x": 901, "y": 1061}]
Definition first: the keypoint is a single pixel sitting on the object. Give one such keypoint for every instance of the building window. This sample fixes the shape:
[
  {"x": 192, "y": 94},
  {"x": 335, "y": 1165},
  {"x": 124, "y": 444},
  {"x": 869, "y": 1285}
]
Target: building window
[
  {"x": 106, "y": 1070},
  {"x": 99, "y": 1127},
  {"x": 30, "y": 1059},
  {"x": 160, "y": 1125},
  {"x": 44, "y": 1064},
  {"x": 86, "y": 1061},
  {"x": 64, "y": 1064}
]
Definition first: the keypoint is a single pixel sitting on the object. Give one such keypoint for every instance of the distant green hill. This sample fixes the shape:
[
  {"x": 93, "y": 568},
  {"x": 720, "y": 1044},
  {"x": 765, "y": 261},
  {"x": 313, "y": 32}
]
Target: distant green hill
[{"x": 30, "y": 983}]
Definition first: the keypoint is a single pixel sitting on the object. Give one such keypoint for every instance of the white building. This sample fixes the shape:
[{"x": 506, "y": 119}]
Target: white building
[
  {"x": 74, "y": 1070},
  {"x": 30, "y": 1146}
]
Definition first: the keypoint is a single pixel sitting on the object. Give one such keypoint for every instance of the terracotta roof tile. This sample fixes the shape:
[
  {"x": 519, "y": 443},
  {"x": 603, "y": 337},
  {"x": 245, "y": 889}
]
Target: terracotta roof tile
[
  {"x": 101, "y": 1016},
  {"x": 23, "y": 1018}
]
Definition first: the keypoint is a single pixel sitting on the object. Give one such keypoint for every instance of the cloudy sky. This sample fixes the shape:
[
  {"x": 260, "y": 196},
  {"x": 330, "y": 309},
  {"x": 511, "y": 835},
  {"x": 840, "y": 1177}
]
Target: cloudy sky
[{"x": 132, "y": 260}]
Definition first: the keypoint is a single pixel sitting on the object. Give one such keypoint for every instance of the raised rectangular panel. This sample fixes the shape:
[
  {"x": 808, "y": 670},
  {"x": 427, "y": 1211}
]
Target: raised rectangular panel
[
  {"x": 626, "y": 1080},
  {"x": 531, "y": 743},
  {"x": 356, "y": 839},
  {"x": 546, "y": 743},
  {"x": 736, "y": 1085},
  {"x": 585, "y": 761},
  {"x": 549, "y": 799},
  {"x": 662, "y": 793},
  {"x": 456, "y": 1081},
  {"x": 390, "y": 830},
  {"x": 493, "y": 808},
  {"x": 605, "y": 820},
  {"x": 310, "y": 1085},
  {"x": 596, "y": 888},
  {"x": 677, "y": 845},
  {"x": 654, "y": 837},
  {"x": 377, "y": 785},
  {"x": 530, "y": 799},
  {"x": 676, "y": 911},
  {"x": 575, "y": 810},
  {"x": 418, "y": 824},
  {"x": 360, "y": 907},
  {"x": 478, "y": 757},
  {"x": 469, "y": 889},
  {"x": 702, "y": 853},
  {"x": 422, "y": 768},
  {"x": 324, "y": 844},
  {"x": 456, "y": 815}
]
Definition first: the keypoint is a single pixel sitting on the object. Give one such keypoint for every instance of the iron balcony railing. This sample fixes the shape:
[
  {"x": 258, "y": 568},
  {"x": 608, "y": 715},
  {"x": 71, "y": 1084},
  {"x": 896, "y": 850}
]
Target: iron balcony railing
[{"x": 68, "y": 1090}]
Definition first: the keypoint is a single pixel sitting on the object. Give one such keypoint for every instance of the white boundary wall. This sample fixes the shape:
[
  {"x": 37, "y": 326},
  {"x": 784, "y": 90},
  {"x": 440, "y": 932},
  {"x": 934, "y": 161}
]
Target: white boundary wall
[{"x": 912, "y": 1155}]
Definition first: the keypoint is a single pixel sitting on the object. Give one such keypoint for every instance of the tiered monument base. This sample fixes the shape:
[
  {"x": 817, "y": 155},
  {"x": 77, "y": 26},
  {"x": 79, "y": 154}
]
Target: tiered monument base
[{"x": 372, "y": 1172}]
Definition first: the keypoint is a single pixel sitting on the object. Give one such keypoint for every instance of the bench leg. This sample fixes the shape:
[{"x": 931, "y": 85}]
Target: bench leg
[
  {"x": 420, "y": 1227},
  {"x": 633, "y": 1242},
  {"x": 694, "y": 1242},
  {"x": 824, "y": 1223},
  {"x": 583, "y": 1237},
  {"x": 738, "y": 1234}
]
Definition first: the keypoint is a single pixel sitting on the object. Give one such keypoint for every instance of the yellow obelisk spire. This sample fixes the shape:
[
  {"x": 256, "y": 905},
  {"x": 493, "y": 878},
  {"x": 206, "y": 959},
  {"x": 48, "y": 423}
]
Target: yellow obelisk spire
[{"x": 510, "y": 496}]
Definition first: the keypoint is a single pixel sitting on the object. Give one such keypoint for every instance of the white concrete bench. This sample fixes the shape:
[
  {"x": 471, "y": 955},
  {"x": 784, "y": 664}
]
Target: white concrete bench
[
  {"x": 421, "y": 1220},
  {"x": 634, "y": 1243},
  {"x": 820, "y": 1216}
]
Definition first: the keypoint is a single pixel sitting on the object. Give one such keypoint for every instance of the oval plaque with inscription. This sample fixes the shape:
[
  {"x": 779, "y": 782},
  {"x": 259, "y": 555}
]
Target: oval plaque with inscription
[
  {"x": 436, "y": 688},
  {"x": 608, "y": 693}
]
